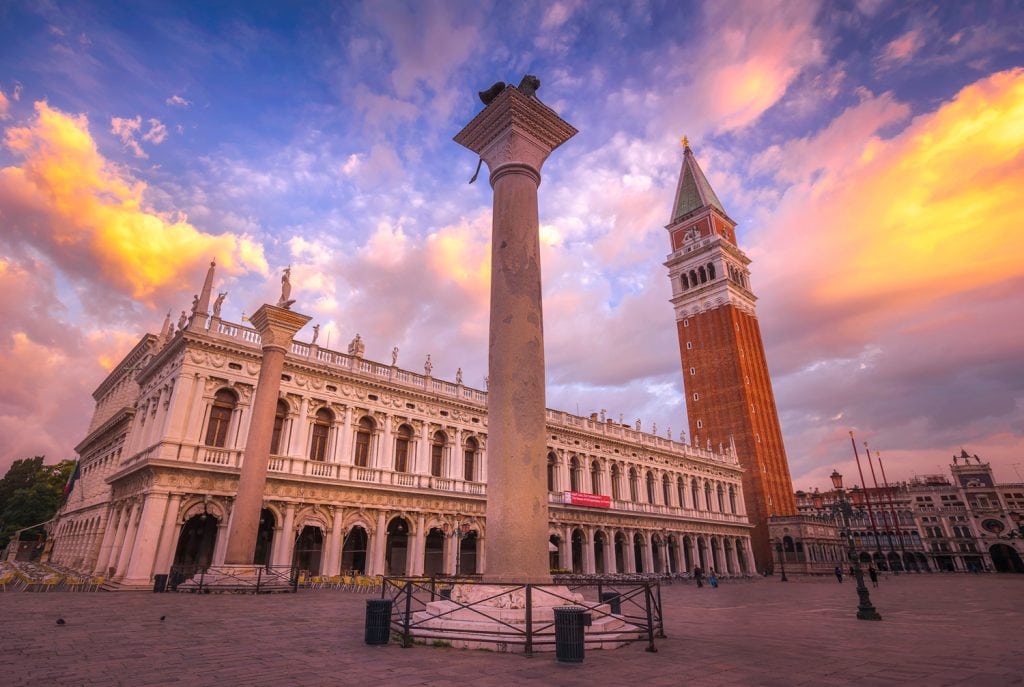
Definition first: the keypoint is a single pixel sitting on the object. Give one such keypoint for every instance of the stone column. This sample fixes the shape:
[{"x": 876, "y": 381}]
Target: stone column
[
  {"x": 345, "y": 443},
  {"x": 284, "y": 550},
  {"x": 335, "y": 543},
  {"x": 169, "y": 535},
  {"x": 300, "y": 428},
  {"x": 418, "y": 548},
  {"x": 589, "y": 559},
  {"x": 276, "y": 326},
  {"x": 514, "y": 134},
  {"x": 128, "y": 540},
  {"x": 630, "y": 558},
  {"x": 109, "y": 533},
  {"x": 648, "y": 551},
  {"x": 140, "y": 568},
  {"x": 379, "y": 547},
  {"x": 565, "y": 548},
  {"x": 386, "y": 462}
]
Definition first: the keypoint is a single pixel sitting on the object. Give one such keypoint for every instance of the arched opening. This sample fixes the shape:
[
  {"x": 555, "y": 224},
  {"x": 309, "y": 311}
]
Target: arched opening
[
  {"x": 577, "y": 551},
  {"x": 694, "y": 493},
  {"x": 716, "y": 563},
  {"x": 656, "y": 554},
  {"x": 397, "y": 547},
  {"x": 224, "y": 402},
  {"x": 616, "y": 484},
  {"x": 595, "y": 478},
  {"x": 684, "y": 282},
  {"x": 279, "y": 417},
  {"x": 721, "y": 499},
  {"x": 741, "y": 557},
  {"x": 634, "y": 495},
  {"x": 1006, "y": 559},
  {"x": 681, "y": 492},
  {"x": 732, "y": 499},
  {"x": 433, "y": 552},
  {"x": 321, "y": 433},
  {"x": 865, "y": 557},
  {"x": 403, "y": 440},
  {"x": 599, "y": 547},
  {"x": 264, "y": 537},
  {"x": 707, "y": 496},
  {"x": 437, "y": 447},
  {"x": 702, "y": 554},
  {"x": 894, "y": 561},
  {"x": 878, "y": 561},
  {"x": 364, "y": 432},
  {"x": 693, "y": 278},
  {"x": 353, "y": 553},
  {"x": 469, "y": 459},
  {"x": 650, "y": 487},
  {"x": 666, "y": 490},
  {"x": 638, "y": 552},
  {"x": 552, "y": 467},
  {"x": 620, "y": 552},
  {"x": 308, "y": 548},
  {"x": 703, "y": 274},
  {"x": 673, "y": 555},
  {"x": 195, "y": 544},
  {"x": 554, "y": 561},
  {"x": 574, "y": 474},
  {"x": 727, "y": 552},
  {"x": 687, "y": 557},
  {"x": 467, "y": 554},
  {"x": 711, "y": 270}
]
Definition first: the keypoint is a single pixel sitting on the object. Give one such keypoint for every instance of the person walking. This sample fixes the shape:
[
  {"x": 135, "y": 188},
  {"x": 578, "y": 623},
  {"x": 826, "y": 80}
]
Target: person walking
[
  {"x": 712, "y": 580},
  {"x": 839, "y": 574},
  {"x": 873, "y": 574},
  {"x": 697, "y": 575}
]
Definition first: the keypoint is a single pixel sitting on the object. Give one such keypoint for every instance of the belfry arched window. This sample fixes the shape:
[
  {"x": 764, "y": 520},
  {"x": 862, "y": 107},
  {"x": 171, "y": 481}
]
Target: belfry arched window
[
  {"x": 321, "y": 433},
  {"x": 693, "y": 278},
  {"x": 703, "y": 274},
  {"x": 223, "y": 407},
  {"x": 403, "y": 440},
  {"x": 711, "y": 271},
  {"x": 364, "y": 432},
  {"x": 684, "y": 282},
  {"x": 279, "y": 417}
]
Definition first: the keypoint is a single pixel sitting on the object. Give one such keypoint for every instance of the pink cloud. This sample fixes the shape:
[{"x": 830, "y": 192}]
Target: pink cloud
[{"x": 902, "y": 48}]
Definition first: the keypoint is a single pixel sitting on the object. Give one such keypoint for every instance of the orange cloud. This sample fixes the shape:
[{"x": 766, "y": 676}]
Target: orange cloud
[
  {"x": 5, "y": 106},
  {"x": 92, "y": 218},
  {"x": 934, "y": 211}
]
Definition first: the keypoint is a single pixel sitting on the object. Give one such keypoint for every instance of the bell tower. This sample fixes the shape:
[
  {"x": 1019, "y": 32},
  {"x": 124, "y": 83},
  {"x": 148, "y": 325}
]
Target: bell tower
[{"x": 725, "y": 372}]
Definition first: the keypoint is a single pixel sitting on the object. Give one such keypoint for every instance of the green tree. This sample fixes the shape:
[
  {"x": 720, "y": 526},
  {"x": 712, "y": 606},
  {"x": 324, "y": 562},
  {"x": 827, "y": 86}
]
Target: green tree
[{"x": 31, "y": 493}]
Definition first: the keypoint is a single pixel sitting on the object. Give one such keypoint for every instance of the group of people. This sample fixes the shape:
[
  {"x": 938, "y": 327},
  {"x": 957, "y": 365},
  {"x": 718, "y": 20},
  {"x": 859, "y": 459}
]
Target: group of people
[
  {"x": 872, "y": 573},
  {"x": 698, "y": 575}
]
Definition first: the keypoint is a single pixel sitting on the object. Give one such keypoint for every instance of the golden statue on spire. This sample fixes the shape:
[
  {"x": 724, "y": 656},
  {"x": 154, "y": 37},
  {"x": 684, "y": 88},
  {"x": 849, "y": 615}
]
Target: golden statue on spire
[{"x": 685, "y": 141}]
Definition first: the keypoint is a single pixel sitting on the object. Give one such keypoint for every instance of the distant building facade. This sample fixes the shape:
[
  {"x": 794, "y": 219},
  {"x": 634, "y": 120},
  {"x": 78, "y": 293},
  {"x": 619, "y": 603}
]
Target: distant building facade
[
  {"x": 373, "y": 468},
  {"x": 965, "y": 523},
  {"x": 729, "y": 395}
]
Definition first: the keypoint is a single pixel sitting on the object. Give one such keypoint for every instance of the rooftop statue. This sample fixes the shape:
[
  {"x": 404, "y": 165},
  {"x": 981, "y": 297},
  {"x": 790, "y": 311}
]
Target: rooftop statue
[
  {"x": 286, "y": 289},
  {"x": 217, "y": 304}
]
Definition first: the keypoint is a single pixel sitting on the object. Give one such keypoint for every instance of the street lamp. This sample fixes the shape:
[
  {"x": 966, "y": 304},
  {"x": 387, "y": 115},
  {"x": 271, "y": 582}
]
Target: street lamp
[
  {"x": 459, "y": 532},
  {"x": 781, "y": 548},
  {"x": 842, "y": 507}
]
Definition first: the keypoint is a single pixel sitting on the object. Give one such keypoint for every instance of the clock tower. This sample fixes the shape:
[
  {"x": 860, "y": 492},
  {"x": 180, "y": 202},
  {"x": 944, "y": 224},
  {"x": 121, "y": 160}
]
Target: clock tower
[{"x": 725, "y": 373}]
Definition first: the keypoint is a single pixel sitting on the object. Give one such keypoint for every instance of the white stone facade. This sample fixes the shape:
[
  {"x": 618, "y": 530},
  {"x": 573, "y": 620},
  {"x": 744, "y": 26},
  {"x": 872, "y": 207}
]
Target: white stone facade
[{"x": 368, "y": 472}]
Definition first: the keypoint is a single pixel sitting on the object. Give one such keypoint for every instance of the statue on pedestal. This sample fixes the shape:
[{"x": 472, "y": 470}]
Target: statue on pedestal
[
  {"x": 286, "y": 289},
  {"x": 458, "y": 376},
  {"x": 357, "y": 347},
  {"x": 316, "y": 334},
  {"x": 428, "y": 366},
  {"x": 217, "y": 304},
  {"x": 183, "y": 320},
  {"x": 394, "y": 356}
]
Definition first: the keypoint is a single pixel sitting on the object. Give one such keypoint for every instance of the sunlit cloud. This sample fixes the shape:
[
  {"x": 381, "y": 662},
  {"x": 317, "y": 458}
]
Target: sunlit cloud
[
  {"x": 92, "y": 218},
  {"x": 5, "y": 106},
  {"x": 178, "y": 101},
  {"x": 902, "y": 48}
]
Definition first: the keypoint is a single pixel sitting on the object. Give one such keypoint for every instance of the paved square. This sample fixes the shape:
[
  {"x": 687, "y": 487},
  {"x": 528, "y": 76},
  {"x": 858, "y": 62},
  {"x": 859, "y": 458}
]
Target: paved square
[{"x": 937, "y": 630}]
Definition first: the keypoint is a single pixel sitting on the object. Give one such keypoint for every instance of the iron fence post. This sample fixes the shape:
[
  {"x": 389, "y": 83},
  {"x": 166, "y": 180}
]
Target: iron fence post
[
  {"x": 528, "y": 649},
  {"x": 406, "y": 636},
  {"x": 660, "y": 617},
  {"x": 650, "y": 619}
]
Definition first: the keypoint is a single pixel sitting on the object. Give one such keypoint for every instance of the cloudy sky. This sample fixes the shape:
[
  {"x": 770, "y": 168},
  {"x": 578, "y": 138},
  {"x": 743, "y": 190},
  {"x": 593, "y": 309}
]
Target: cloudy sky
[{"x": 871, "y": 152}]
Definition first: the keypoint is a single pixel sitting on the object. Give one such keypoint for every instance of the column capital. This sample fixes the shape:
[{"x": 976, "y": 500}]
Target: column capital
[
  {"x": 277, "y": 326},
  {"x": 515, "y": 129}
]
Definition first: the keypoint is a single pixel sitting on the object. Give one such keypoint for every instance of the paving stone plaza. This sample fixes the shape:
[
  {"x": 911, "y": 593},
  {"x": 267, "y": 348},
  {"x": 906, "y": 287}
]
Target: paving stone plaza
[{"x": 936, "y": 630}]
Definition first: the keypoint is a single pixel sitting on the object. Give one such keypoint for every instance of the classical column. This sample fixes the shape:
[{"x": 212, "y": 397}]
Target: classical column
[
  {"x": 276, "y": 326},
  {"x": 630, "y": 553},
  {"x": 140, "y": 567},
  {"x": 589, "y": 559},
  {"x": 386, "y": 450},
  {"x": 565, "y": 548},
  {"x": 694, "y": 555},
  {"x": 418, "y": 547},
  {"x": 514, "y": 134},
  {"x": 109, "y": 533},
  {"x": 648, "y": 551},
  {"x": 128, "y": 540},
  {"x": 284, "y": 549},
  {"x": 169, "y": 535},
  {"x": 455, "y": 460},
  {"x": 300, "y": 428},
  {"x": 345, "y": 443},
  {"x": 334, "y": 544},
  {"x": 380, "y": 542}
]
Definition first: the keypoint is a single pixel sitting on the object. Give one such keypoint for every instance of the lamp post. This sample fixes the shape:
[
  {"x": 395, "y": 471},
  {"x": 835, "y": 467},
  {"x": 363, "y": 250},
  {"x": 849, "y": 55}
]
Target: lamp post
[
  {"x": 842, "y": 507},
  {"x": 781, "y": 548},
  {"x": 458, "y": 533}
]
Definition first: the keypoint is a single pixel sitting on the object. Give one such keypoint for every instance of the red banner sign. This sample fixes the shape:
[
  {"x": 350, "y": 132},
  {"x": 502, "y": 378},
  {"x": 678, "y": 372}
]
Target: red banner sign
[{"x": 577, "y": 498}]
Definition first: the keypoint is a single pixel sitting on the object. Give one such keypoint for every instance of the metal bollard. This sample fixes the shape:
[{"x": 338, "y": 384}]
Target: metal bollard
[
  {"x": 569, "y": 633},
  {"x": 378, "y": 621},
  {"x": 159, "y": 584},
  {"x": 614, "y": 600}
]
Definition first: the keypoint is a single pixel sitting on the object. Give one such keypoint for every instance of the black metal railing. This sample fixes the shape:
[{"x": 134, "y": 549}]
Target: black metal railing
[
  {"x": 639, "y": 614},
  {"x": 205, "y": 579}
]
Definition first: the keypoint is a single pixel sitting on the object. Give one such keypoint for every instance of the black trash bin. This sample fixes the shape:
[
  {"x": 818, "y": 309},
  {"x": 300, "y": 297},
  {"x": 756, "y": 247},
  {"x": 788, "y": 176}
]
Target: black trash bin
[
  {"x": 378, "y": 621},
  {"x": 569, "y": 633},
  {"x": 614, "y": 600},
  {"x": 159, "y": 584}
]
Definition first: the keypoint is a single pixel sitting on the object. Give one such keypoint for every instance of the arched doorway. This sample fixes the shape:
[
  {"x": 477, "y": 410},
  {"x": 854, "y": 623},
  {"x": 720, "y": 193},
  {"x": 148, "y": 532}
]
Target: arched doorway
[
  {"x": 656, "y": 554},
  {"x": 702, "y": 554},
  {"x": 577, "y": 551},
  {"x": 1006, "y": 559},
  {"x": 673, "y": 555},
  {"x": 264, "y": 537},
  {"x": 620, "y": 552},
  {"x": 638, "y": 552},
  {"x": 687, "y": 558},
  {"x": 467, "y": 554},
  {"x": 433, "y": 553},
  {"x": 308, "y": 548},
  {"x": 741, "y": 557},
  {"x": 353, "y": 553},
  {"x": 554, "y": 561},
  {"x": 599, "y": 552},
  {"x": 397, "y": 547},
  {"x": 195, "y": 544}
]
